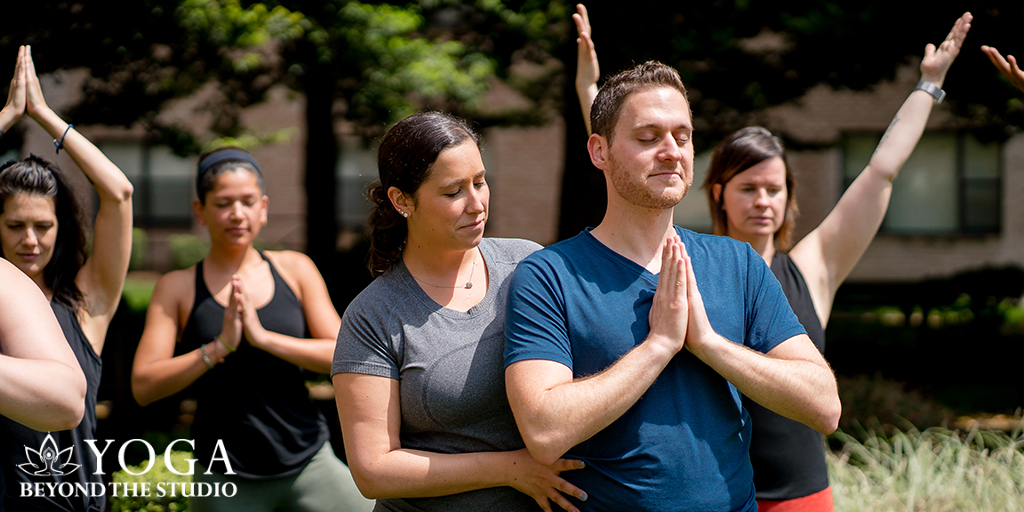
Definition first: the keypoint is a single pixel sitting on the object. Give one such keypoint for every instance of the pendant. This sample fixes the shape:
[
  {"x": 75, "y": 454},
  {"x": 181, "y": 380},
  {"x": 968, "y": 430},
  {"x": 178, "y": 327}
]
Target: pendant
[{"x": 469, "y": 284}]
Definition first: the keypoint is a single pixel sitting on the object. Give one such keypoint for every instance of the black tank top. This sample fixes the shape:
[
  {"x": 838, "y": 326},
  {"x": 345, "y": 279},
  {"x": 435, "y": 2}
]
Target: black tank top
[
  {"x": 16, "y": 438},
  {"x": 788, "y": 456},
  {"x": 255, "y": 402}
]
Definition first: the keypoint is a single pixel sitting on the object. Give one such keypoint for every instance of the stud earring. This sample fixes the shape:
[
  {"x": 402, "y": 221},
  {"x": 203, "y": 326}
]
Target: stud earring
[{"x": 405, "y": 214}]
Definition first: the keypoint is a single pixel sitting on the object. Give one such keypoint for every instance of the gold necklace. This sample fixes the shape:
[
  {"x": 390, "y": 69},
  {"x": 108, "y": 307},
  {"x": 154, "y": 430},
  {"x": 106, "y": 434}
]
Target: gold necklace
[{"x": 468, "y": 285}]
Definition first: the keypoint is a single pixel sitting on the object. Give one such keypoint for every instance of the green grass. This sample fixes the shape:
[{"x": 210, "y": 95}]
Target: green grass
[{"x": 935, "y": 470}]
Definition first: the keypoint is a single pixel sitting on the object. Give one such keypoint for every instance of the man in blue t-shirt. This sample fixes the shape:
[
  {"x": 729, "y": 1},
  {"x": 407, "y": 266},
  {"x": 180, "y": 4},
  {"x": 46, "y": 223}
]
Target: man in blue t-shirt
[{"x": 628, "y": 345}]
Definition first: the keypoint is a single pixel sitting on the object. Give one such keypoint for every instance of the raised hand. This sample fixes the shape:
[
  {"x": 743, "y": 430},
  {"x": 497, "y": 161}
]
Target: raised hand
[
  {"x": 587, "y": 71},
  {"x": 1008, "y": 66},
  {"x": 543, "y": 483},
  {"x": 14, "y": 109},
  {"x": 670, "y": 309},
  {"x": 35, "y": 103},
  {"x": 936, "y": 61}
]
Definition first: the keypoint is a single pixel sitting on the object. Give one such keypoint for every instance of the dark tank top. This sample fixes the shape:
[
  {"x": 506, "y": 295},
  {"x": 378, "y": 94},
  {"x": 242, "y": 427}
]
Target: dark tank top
[
  {"x": 78, "y": 464},
  {"x": 788, "y": 456},
  {"x": 256, "y": 403}
]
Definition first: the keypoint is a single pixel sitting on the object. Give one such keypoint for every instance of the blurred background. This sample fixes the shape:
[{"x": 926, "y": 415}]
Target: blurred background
[{"x": 928, "y": 329}]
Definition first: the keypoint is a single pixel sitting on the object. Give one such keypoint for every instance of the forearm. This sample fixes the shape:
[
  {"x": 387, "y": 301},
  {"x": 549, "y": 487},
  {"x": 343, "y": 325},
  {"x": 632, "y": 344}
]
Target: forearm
[
  {"x": 556, "y": 414},
  {"x": 41, "y": 394},
  {"x": 312, "y": 354},
  {"x": 586, "y": 92},
  {"x": 802, "y": 389},
  {"x": 8, "y": 118},
  {"x": 110, "y": 183},
  {"x": 163, "y": 378},
  {"x": 404, "y": 473}
]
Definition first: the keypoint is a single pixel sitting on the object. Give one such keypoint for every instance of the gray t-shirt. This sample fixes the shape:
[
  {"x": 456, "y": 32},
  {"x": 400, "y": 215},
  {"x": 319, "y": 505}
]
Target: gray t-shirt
[{"x": 449, "y": 366}]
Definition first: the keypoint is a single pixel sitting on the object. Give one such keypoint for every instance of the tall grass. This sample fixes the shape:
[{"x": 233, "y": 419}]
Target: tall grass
[{"x": 935, "y": 470}]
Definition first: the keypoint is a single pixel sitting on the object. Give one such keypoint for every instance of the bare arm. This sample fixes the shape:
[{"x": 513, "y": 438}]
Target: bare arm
[
  {"x": 314, "y": 353},
  {"x": 157, "y": 373},
  {"x": 828, "y": 254},
  {"x": 1008, "y": 66},
  {"x": 369, "y": 407},
  {"x": 102, "y": 277},
  {"x": 587, "y": 70},
  {"x": 41, "y": 384},
  {"x": 555, "y": 412}
]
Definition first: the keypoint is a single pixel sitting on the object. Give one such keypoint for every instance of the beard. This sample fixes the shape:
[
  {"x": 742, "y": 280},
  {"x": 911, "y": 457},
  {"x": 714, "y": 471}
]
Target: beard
[{"x": 639, "y": 190}]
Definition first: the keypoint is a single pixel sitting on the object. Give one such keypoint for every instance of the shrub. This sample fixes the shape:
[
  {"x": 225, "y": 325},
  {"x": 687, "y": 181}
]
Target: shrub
[
  {"x": 187, "y": 250},
  {"x": 158, "y": 474}
]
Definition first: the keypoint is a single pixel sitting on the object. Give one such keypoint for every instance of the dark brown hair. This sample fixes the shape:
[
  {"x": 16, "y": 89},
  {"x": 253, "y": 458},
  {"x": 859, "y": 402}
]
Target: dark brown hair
[
  {"x": 607, "y": 105},
  {"x": 38, "y": 176},
  {"x": 214, "y": 163},
  {"x": 406, "y": 154},
  {"x": 740, "y": 151}
]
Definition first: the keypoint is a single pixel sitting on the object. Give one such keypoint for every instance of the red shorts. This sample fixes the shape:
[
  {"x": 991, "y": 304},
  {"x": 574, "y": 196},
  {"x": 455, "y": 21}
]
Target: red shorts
[{"x": 820, "y": 501}]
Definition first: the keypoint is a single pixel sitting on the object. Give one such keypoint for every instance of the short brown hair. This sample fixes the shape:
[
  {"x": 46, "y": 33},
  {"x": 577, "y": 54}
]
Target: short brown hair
[
  {"x": 740, "y": 151},
  {"x": 607, "y": 105}
]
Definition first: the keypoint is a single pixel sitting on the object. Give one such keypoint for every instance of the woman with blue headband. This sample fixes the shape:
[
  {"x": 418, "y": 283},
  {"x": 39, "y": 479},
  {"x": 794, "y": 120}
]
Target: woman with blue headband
[{"x": 245, "y": 328}]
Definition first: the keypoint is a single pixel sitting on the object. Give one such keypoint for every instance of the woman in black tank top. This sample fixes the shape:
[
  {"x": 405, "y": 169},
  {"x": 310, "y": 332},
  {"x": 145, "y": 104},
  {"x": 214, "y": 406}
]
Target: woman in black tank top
[
  {"x": 751, "y": 196},
  {"x": 41, "y": 234},
  {"x": 244, "y": 330}
]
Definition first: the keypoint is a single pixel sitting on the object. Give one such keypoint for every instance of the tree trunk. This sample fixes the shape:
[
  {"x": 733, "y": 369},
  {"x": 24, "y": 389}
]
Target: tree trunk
[{"x": 321, "y": 161}]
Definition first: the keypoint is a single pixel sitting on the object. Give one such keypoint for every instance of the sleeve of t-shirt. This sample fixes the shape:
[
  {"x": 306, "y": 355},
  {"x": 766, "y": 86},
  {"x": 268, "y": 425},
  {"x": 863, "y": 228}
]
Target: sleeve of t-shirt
[
  {"x": 770, "y": 319},
  {"x": 364, "y": 345},
  {"x": 536, "y": 325}
]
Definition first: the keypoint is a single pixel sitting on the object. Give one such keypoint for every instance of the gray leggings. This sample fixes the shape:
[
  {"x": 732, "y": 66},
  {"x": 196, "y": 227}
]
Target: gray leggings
[{"x": 324, "y": 485}]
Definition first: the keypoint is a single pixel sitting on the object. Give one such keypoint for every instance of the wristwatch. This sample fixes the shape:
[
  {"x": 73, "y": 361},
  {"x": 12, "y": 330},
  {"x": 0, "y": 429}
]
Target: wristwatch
[{"x": 932, "y": 89}]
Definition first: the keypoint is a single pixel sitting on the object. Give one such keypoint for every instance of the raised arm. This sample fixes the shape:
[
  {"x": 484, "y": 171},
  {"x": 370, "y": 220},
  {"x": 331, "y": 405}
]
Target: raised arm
[
  {"x": 1008, "y": 66},
  {"x": 587, "y": 70},
  {"x": 41, "y": 384},
  {"x": 314, "y": 353},
  {"x": 14, "y": 109},
  {"x": 828, "y": 254},
  {"x": 554, "y": 412},
  {"x": 102, "y": 277},
  {"x": 157, "y": 373},
  {"x": 370, "y": 422}
]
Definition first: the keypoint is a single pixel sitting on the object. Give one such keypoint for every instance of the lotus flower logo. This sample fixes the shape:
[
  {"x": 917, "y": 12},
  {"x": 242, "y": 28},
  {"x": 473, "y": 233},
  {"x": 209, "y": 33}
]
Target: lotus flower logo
[{"x": 49, "y": 460}]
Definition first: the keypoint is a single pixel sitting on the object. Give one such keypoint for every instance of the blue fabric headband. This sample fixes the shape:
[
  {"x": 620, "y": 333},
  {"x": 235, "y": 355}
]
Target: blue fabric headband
[{"x": 221, "y": 156}]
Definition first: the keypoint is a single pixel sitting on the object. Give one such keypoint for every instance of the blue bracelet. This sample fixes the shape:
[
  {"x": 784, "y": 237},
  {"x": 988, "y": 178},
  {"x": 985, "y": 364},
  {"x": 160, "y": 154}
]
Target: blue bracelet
[{"x": 60, "y": 145}]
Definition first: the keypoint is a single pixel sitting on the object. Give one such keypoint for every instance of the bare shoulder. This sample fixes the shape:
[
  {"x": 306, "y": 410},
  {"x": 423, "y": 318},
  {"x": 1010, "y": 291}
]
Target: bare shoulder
[
  {"x": 292, "y": 264},
  {"x": 175, "y": 288}
]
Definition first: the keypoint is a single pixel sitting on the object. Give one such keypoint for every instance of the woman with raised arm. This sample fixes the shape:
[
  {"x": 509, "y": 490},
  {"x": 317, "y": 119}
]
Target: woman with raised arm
[
  {"x": 418, "y": 371},
  {"x": 246, "y": 327},
  {"x": 42, "y": 231},
  {"x": 751, "y": 197}
]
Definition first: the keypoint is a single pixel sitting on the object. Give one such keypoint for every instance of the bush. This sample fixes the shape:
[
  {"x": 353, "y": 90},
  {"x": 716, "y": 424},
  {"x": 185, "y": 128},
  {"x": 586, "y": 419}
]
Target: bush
[
  {"x": 140, "y": 248},
  {"x": 158, "y": 474},
  {"x": 934, "y": 470},
  {"x": 187, "y": 250}
]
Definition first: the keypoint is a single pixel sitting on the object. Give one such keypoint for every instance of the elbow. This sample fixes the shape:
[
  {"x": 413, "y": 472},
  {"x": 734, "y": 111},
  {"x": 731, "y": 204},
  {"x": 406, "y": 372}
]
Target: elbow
[
  {"x": 142, "y": 391},
  {"x": 543, "y": 446},
  {"x": 828, "y": 420},
  {"x": 368, "y": 484},
  {"x": 66, "y": 416},
  {"x": 126, "y": 191}
]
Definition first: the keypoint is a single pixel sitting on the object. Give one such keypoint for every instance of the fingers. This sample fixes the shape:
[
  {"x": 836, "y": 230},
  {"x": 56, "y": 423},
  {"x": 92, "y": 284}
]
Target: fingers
[
  {"x": 568, "y": 465},
  {"x": 584, "y": 19},
  {"x": 997, "y": 59}
]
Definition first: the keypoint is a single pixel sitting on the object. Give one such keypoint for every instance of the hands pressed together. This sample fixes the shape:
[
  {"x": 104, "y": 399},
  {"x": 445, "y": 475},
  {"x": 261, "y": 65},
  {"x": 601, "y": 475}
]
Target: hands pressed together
[
  {"x": 678, "y": 318},
  {"x": 25, "y": 95}
]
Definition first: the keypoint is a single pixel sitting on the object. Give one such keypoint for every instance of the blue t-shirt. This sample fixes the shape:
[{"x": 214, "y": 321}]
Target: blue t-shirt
[{"x": 683, "y": 445}]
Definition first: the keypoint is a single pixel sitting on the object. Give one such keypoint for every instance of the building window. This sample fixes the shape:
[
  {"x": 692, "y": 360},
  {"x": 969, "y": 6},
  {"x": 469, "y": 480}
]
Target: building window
[
  {"x": 163, "y": 182},
  {"x": 357, "y": 169},
  {"x": 949, "y": 185}
]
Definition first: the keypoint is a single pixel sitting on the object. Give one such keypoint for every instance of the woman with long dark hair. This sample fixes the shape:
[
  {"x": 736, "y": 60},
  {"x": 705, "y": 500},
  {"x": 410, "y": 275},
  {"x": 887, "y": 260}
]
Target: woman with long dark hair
[
  {"x": 246, "y": 327},
  {"x": 418, "y": 372},
  {"x": 43, "y": 234},
  {"x": 751, "y": 195}
]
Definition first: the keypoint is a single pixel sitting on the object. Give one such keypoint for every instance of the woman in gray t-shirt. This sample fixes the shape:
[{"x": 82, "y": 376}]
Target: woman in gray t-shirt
[{"x": 418, "y": 370}]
